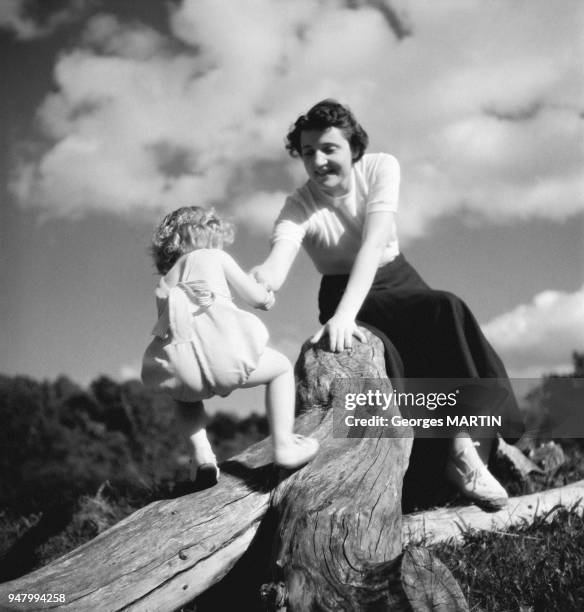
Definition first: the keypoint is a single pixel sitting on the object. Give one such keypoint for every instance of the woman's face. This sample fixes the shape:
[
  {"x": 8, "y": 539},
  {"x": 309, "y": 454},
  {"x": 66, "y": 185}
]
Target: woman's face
[{"x": 328, "y": 159}]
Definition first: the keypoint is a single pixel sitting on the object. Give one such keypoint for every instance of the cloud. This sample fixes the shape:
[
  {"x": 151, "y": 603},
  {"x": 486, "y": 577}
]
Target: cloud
[
  {"x": 540, "y": 337},
  {"x": 29, "y": 20},
  {"x": 479, "y": 101},
  {"x": 130, "y": 372}
]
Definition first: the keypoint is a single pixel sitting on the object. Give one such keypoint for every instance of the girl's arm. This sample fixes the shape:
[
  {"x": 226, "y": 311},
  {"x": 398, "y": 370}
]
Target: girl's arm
[
  {"x": 273, "y": 272},
  {"x": 245, "y": 286},
  {"x": 341, "y": 326}
]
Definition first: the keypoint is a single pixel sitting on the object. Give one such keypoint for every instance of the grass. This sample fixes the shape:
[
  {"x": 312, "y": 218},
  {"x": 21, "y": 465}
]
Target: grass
[{"x": 529, "y": 568}]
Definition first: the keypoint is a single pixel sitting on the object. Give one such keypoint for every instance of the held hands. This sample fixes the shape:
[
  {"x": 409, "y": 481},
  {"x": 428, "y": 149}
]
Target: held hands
[
  {"x": 257, "y": 275},
  {"x": 270, "y": 300},
  {"x": 340, "y": 330}
]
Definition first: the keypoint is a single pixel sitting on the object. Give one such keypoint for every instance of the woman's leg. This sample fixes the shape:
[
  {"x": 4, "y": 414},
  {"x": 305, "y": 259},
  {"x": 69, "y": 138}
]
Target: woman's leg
[
  {"x": 483, "y": 446},
  {"x": 275, "y": 371},
  {"x": 437, "y": 336},
  {"x": 468, "y": 472}
]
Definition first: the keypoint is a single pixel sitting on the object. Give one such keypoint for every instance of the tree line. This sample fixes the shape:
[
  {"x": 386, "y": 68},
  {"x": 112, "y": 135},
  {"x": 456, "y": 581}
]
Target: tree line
[{"x": 59, "y": 440}]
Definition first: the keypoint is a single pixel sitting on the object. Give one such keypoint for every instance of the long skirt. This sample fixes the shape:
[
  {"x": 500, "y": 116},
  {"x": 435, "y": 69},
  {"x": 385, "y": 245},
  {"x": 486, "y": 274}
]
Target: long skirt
[{"x": 429, "y": 334}]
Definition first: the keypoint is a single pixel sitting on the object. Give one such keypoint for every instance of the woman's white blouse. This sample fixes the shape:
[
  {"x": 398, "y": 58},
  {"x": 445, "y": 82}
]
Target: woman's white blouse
[{"x": 331, "y": 228}]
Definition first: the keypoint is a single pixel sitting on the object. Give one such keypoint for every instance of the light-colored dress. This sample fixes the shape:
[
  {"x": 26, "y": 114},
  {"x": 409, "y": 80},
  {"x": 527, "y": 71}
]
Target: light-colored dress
[{"x": 203, "y": 344}]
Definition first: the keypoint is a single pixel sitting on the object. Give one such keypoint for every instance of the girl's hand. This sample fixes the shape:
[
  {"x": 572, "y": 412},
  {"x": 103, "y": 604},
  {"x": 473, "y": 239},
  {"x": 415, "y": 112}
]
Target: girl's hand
[
  {"x": 340, "y": 330},
  {"x": 270, "y": 300}
]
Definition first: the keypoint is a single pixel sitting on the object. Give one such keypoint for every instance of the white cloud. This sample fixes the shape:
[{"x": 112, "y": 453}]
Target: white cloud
[
  {"x": 539, "y": 337},
  {"x": 481, "y": 105},
  {"x": 16, "y": 17},
  {"x": 130, "y": 372}
]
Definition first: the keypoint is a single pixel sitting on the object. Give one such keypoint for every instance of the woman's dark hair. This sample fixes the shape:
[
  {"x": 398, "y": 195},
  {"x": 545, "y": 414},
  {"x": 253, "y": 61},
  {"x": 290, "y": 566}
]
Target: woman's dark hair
[{"x": 326, "y": 114}]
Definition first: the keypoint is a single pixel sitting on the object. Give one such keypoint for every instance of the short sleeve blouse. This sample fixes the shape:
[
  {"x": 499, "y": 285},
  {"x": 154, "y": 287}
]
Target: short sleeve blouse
[{"x": 331, "y": 228}]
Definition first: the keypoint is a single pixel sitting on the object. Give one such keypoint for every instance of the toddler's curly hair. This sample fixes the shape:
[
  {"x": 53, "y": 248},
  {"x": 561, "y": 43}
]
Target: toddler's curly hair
[
  {"x": 326, "y": 114},
  {"x": 187, "y": 229}
]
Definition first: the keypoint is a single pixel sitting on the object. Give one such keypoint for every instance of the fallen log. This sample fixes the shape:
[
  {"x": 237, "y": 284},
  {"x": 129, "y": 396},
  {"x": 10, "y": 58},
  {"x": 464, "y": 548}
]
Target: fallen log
[
  {"x": 163, "y": 555},
  {"x": 336, "y": 525},
  {"x": 434, "y": 526}
]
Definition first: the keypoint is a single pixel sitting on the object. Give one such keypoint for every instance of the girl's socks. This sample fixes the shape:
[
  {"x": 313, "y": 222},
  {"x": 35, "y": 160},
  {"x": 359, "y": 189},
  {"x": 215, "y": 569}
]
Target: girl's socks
[{"x": 204, "y": 468}]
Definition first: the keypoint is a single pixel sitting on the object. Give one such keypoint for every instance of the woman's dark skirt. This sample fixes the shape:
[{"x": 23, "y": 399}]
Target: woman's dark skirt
[{"x": 430, "y": 334}]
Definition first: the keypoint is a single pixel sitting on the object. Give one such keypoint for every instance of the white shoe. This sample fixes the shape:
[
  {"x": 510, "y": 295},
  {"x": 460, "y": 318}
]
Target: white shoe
[
  {"x": 296, "y": 454},
  {"x": 473, "y": 479}
]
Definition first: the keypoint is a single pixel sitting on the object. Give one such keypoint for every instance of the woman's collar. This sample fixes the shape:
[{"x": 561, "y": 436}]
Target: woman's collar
[{"x": 330, "y": 200}]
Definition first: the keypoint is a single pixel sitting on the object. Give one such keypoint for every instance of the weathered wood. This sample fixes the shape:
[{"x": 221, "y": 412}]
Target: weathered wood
[
  {"x": 428, "y": 583},
  {"x": 446, "y": 523},
  {"x": 338, "y": 520},
  {"x": 341, "y": 515},
  {"x": 163, "y": 555},
  {"x": 520, "y": 465}
]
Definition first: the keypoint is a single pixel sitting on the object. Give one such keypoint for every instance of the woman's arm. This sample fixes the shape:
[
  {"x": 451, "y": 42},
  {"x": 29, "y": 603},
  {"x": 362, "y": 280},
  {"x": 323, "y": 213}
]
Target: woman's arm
[
  {"x": 341, "y": 326},
  {"x": 245, "y": 286},
  {"x": 273, "y": 272}
]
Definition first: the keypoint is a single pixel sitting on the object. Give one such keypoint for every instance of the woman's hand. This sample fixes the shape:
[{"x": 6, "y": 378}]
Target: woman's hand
[
  {"x": 260, "y": 277},
  {"x": 340, "y": 330}
]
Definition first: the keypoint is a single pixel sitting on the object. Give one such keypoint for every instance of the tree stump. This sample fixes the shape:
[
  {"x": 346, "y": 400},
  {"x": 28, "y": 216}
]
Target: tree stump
[
  {"x": 339, "y": 544},
  {"x": 334, "y": 527}
]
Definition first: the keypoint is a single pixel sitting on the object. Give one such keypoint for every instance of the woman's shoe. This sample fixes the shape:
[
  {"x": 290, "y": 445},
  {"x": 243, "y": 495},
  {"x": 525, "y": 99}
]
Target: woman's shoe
[
  {"x": 296, "y": 454},
  {"x": 473, "y": 479}
]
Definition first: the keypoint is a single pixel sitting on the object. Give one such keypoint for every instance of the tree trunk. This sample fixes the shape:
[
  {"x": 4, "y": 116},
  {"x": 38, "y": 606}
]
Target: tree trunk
[{"x": 339, "y": 541}]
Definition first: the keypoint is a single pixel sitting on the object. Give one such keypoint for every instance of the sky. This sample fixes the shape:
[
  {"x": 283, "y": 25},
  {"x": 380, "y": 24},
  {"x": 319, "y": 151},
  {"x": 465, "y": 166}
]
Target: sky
[{"x": 113, "y": 113}]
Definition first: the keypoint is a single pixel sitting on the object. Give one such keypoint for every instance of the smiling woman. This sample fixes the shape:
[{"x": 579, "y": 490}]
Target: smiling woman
[
  {"x": 344, "y": 217},
  {"x": 328, "y": 159}
]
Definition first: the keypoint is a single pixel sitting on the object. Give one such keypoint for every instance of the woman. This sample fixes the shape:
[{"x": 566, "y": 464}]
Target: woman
[{"x": 344, "y": 217}]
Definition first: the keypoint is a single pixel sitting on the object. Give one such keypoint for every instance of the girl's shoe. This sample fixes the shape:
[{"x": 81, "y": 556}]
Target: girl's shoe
[
  {"x": 473, "y": 479},
  {"x": 204, "y": 469},
  {"x": 296, "y": 454},
  {"x": 205, "y": 475}
]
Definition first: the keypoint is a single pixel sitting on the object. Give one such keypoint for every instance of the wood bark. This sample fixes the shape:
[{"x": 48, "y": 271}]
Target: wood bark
[
  {"x": 335, "y": 525},
  {"x": 339, "y": 544},
  {"x": 340, "y": 517}
]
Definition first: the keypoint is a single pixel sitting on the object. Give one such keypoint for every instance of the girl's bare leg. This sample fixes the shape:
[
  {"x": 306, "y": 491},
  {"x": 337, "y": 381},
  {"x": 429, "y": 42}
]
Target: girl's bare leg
[
  {"x": 275, "y": 371},
  {"x": 192, "y": 419}
]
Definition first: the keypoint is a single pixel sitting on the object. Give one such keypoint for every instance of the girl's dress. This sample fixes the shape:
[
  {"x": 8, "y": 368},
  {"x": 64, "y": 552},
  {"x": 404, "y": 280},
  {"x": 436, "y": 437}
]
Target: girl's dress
[{"x": 203, "y": 344}]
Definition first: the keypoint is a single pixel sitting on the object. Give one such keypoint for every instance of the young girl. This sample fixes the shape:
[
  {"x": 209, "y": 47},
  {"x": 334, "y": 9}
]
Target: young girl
[{"x": 204, "y": 345}]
